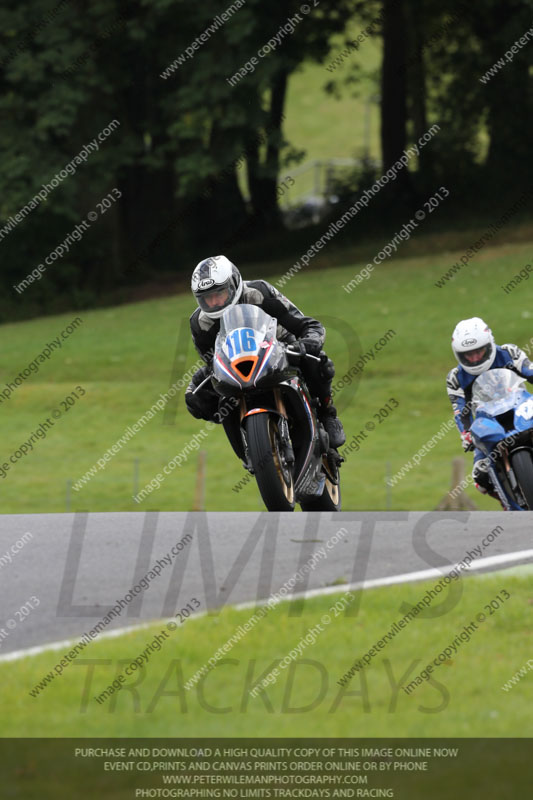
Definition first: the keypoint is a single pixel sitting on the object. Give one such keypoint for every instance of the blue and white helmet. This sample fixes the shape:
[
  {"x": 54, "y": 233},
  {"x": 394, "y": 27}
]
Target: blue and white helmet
[
  {"x": 217, "y": 285},
  {"x": 473, "y": 345}
]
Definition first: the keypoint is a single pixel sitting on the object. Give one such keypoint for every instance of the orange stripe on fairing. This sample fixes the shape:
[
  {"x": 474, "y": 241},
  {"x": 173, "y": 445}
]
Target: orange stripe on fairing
[{"x": 256, "y": 411}]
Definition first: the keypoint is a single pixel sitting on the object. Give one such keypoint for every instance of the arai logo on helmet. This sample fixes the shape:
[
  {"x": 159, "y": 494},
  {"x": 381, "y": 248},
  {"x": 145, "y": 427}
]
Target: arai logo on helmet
[
  {"x": 469, "y": 343},
  {"x": 206, "y": 283}
]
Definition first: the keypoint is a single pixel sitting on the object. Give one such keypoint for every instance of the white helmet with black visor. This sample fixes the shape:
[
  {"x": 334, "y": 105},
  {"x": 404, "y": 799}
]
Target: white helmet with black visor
[
  {"x": 217, "y": 285},
  {"x": 473, "y": 345}
]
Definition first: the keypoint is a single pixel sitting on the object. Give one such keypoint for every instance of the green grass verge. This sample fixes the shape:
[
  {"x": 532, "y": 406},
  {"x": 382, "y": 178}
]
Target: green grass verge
[
  {"x": 464, "y": 698},
  {"x": 124, "y": 359}
]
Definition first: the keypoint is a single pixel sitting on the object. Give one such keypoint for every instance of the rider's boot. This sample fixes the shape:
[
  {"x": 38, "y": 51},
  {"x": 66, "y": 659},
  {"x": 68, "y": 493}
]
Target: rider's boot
[
  {"x": 485, "y": 487},
  {"x": 328, "y": 417}
]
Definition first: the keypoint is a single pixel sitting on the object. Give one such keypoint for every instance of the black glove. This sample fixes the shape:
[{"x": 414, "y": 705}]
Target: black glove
[
  {"x": 200, "y": 406},
  {"x": 312, "y": 346},
  {"x": 201, "y": 403}
]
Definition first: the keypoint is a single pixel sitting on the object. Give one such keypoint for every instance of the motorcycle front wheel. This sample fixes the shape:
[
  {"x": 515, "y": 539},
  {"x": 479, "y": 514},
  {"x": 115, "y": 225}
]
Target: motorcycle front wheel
[
  {"x": 273, "y": 475},
  {"x": 522, "y": 463}
]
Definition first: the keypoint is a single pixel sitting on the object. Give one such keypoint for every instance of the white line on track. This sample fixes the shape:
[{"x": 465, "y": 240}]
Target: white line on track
[{"x": 409, "y": 577}]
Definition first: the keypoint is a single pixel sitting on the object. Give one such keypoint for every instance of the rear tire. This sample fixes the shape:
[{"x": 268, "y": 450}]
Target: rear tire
[
  {"x": 274, "y": 478},
  {"x": 522, "y": 464},
  {"x": 329, "y": 500}
]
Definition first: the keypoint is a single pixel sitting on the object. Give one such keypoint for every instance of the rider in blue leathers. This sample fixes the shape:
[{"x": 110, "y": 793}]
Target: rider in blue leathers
[{"x": 476, "y": 351}]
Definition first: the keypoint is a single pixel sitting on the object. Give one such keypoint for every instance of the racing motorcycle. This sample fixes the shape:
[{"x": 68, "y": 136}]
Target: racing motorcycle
[
  {"x": 284, "y": 445},
  {"x": 503, "y": 430}
]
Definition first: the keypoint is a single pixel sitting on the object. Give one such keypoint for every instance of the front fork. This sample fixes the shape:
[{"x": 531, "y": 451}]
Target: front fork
[
  {"x": 280, "y": 405},
  {"x": 283, "y": 428},
  {"x": 499, "y": 489},
  {"x": 508, "y": 502}
]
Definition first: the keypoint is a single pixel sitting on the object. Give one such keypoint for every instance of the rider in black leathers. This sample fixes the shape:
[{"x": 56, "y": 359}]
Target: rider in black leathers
[{"x": 217, "y": 284}]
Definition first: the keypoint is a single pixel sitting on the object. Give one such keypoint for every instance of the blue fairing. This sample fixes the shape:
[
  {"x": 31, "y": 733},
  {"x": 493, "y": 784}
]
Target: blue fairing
[
  {"x": 523, "y": 418},
  {"x": 488, "y": 430}
]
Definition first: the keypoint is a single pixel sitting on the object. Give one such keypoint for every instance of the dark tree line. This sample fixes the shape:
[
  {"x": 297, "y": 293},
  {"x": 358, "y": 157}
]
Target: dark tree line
[{"x": 188, "y": 142}]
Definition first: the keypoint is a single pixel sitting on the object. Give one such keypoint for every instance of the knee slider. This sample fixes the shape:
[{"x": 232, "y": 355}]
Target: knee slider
[{"x": 482, "y": 478}]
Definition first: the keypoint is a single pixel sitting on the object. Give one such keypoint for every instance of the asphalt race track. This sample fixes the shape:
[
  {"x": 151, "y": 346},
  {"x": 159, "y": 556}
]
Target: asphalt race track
[{"x": 80, "y": 565}]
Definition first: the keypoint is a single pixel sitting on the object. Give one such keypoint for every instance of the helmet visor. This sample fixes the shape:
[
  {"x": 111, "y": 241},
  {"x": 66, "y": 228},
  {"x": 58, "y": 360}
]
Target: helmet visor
[
  {"x": 216, "y": 298},
  {"x": 473, "y": 358}
]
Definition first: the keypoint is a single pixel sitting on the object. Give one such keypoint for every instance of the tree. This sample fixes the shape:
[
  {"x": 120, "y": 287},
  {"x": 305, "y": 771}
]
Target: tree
[{"x": 393, "y": 84}]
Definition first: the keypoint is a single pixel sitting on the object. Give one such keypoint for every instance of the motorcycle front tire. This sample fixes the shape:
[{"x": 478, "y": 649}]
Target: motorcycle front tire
[
  {"x": 522, "y": 463},
  {"x": 274, "y": 478}
]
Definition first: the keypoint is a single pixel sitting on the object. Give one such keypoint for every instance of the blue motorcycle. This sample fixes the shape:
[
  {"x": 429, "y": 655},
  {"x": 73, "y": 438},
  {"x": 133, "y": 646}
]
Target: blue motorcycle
[{"x": 503, "y": 431}]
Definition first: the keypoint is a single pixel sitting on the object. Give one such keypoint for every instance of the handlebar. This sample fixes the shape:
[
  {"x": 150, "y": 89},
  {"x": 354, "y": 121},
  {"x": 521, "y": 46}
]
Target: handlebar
[
  {"x": 301, "y": 353},
  {"x": 202, "y": 383}
]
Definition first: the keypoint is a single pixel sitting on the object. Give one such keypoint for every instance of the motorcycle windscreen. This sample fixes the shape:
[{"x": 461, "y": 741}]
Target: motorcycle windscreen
[
  {"x": 496, "y": 391},
  {"x": 243, "y": 329},
  {"x": 245, "y": 341}
]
